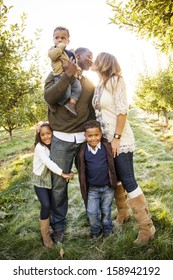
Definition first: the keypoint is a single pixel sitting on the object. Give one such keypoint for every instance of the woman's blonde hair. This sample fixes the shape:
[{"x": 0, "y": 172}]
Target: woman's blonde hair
[{"x": 107, "y": 66}]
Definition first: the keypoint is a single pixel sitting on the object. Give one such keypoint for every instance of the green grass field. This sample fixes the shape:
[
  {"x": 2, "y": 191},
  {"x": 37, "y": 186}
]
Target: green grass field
[{"x": 20, "y": 237}]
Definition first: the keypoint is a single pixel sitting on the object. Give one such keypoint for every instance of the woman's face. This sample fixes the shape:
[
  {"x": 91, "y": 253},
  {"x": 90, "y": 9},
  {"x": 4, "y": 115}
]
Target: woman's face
[{"x": 94, "y": 68}]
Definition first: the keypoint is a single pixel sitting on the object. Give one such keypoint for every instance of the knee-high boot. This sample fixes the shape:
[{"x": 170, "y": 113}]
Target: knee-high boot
[
  {"x": 122, "y": 207},
  {"x": 142, "y": 217},
  {"x": 44, "y": 227}
]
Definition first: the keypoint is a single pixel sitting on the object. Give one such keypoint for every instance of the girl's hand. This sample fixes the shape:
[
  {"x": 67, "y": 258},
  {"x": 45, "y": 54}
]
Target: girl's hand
[
  {"x": 68, "y": 176},
  {"x": 115, "y": 144}
]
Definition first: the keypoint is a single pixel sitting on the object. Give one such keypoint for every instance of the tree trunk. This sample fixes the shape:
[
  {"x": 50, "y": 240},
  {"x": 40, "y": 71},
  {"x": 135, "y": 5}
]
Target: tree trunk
[
  {"x": 165, "y": 118},
  {"x": 10, "y": 134}
]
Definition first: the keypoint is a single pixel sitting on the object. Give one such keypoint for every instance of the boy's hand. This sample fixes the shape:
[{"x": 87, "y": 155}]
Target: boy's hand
[{"x": 61, "y": 46}]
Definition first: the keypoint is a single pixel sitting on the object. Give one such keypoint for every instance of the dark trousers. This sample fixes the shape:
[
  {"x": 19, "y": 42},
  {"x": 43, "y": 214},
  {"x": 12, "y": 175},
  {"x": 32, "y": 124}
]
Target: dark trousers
[
  {"x": 62, "y": 153},
  {"x": 44, "y": 196}
]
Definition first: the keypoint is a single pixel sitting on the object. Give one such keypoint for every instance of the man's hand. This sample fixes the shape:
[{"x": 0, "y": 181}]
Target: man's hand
[{"x": 70, "y": 68}]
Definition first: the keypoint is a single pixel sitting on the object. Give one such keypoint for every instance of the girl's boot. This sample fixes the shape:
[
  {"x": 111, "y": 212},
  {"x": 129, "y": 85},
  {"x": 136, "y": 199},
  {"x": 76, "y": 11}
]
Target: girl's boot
[
  {"x": 122, "y": 207},
  {"x": 44, "y": 227},
  {"x": 146, "y": 228}
]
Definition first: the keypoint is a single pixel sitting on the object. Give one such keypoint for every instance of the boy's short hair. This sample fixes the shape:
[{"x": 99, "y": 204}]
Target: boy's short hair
[
  {"x": 62, "y": 28},
  {"x": 91, "y": 124}
]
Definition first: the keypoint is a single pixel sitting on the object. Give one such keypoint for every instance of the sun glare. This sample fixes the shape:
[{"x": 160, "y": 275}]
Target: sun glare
[{"x": 89, "y": 27}]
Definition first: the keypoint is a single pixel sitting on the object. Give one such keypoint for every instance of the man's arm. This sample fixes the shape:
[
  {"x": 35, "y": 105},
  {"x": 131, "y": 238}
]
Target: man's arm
[{"x": 53, "y": 92}]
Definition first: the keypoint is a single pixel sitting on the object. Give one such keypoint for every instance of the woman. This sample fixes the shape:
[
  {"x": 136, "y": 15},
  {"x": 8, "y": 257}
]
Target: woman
[{"x": 111, "y": 108}]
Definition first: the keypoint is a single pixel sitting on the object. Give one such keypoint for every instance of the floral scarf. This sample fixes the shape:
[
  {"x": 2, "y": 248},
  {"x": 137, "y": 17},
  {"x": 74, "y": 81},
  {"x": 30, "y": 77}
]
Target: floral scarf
[{"x": 96, "y": 106}]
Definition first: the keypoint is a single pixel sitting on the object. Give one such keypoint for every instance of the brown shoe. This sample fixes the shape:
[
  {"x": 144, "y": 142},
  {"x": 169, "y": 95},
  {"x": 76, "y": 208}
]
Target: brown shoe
[{"x": 71, "y": 108}]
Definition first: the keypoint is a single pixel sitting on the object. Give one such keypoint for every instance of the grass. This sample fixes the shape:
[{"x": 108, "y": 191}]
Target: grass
[{"x": 20, "y": 237}]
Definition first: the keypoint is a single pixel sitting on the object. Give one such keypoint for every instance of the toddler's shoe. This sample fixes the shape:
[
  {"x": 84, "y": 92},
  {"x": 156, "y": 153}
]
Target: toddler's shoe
[{"x": 71, "y": 108}]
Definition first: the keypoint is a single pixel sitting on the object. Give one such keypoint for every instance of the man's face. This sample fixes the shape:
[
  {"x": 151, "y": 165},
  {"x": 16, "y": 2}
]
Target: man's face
[{"x": 85, "y": 60}]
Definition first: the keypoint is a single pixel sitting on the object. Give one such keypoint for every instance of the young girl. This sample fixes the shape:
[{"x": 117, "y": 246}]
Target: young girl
[{"x": 42, "y": 167}]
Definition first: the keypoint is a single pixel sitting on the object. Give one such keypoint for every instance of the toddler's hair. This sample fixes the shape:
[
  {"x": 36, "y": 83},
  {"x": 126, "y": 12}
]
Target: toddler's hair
[
  {"x": 38, "y": 129},
  {"x": 61, "y": 28},
  {"x": 91, "y": 124}
]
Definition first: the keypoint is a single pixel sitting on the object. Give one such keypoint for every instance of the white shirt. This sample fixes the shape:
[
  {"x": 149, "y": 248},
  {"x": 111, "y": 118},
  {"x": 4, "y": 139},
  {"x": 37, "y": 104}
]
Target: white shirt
[
  {"x": 42, "y": 159},
  {"x": 90, "y": 149},
  {"x": 77, "y": 137}
]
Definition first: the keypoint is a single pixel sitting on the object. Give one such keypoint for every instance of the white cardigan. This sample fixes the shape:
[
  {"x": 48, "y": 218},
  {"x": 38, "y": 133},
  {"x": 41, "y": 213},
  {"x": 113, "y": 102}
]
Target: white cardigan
[{"x": 42, "y": 159}]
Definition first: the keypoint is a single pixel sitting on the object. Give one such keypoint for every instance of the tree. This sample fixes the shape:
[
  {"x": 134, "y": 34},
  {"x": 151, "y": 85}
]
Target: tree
[
  {"x": 20, "y": 79},
  {"x": 148, "y": 19},
  {"x": 145, "y": 98},
  {"x": 155, "y": 93}
]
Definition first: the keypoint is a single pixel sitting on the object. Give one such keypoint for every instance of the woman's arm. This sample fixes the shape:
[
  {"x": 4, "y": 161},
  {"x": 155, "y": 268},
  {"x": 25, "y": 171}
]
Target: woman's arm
[
  {"x": 115, "y": 143},
  {"x": 121, "y": 111}
]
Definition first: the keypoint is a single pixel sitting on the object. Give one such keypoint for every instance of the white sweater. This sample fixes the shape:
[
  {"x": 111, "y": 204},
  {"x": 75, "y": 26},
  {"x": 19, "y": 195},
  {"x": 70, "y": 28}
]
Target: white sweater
[{"x": 41, "y": 159}]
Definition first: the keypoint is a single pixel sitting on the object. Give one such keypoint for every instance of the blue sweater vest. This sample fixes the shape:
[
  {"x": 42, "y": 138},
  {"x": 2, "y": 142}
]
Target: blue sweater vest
[{"x": 97, "y": 167}]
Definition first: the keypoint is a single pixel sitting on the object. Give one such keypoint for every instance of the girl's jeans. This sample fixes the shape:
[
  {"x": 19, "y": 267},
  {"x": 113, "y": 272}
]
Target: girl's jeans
[
  {"x": 44, "y": 196},
  {"x": 99, "y": 206},
  {"x": 125, "y": 172}
]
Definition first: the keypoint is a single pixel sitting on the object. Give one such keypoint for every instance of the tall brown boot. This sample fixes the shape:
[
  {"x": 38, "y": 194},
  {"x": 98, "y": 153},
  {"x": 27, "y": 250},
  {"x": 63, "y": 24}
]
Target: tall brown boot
[
  {"x": 44, "y": 227},
  {"x": 122, "y": 207},
  {"x": 141, "y": 214}
]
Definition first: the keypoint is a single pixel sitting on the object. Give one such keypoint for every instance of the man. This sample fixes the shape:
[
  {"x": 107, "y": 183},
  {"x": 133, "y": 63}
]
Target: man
[{"x": 68, "y": 132}]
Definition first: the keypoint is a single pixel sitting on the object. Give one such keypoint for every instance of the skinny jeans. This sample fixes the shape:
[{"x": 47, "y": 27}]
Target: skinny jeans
[
  {"x": 44, "y": 196},
  {"x": 125, "y": 171}
]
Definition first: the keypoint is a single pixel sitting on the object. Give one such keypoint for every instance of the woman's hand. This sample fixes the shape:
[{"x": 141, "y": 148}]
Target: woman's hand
[{"x": 115, "y": 144}]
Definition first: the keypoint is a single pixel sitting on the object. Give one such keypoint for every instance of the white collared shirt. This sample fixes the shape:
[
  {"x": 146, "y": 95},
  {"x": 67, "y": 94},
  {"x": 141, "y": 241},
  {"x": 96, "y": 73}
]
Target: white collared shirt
[
  {"x": 90, "y": 149},
  {"x": 77, "y": 137}
]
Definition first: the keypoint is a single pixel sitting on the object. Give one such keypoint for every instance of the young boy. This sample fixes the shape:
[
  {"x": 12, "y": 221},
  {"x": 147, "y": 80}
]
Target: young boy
[
  {"x": 59, "y": 57},
  {"x": 97, "y": 179}
]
